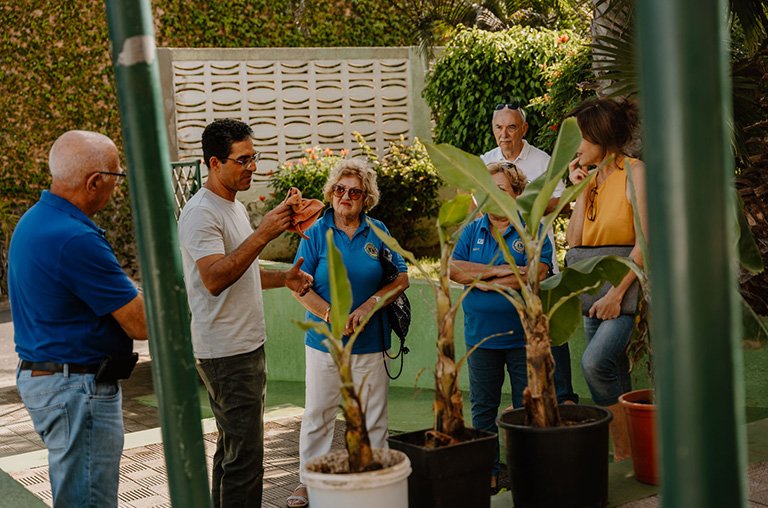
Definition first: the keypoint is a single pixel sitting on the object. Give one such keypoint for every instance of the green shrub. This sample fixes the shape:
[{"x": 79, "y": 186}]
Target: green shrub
[
  {"x": 408, "y": 185},
  {"x": 56, "y": 73},
  {"x": 568, "y": 84},
  {"x": 480, "y": 69}
]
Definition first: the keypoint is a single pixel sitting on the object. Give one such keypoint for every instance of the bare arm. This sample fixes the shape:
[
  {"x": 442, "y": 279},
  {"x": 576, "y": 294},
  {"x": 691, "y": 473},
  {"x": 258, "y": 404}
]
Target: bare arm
[
  {"x": 511, "y": 281},
  {"x": 314, "y": 304},
  {"x": 294, "y": 279},
  {"x": 576, "y": 224},
  {"x": 219, "y": 271},
  {"x": 131, "y": 318},
  {"x": 464, "y": 272},
  {"x": 398, "y": 285},
  {"x": 609, "y": 306}
]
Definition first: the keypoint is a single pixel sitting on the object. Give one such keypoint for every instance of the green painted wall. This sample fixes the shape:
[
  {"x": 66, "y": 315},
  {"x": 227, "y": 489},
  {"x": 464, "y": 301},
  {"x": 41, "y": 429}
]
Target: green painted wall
[{"x": 285, "y": 349}]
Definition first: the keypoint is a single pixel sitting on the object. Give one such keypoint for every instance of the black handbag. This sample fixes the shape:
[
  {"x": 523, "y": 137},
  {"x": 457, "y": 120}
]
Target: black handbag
[
  {"x": 399, "y": 311},
  {"x": 576, "y": 254}
]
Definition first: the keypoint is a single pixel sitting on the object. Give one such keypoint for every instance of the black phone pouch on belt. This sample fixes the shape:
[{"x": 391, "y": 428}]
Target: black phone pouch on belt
[{"x": 114, "y": 367}]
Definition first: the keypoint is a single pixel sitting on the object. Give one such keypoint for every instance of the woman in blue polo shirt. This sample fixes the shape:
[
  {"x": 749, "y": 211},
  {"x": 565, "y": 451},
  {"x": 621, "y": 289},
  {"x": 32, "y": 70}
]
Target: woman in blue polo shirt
[
  {"x": 488, "y": 313},
  {"x": 352, "y": 191}
]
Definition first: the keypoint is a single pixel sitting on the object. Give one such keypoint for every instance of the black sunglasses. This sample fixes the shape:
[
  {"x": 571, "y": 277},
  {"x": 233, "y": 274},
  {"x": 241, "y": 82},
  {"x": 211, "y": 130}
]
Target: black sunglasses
[
  {"x": 510, "y": 105},
  {"x": 592, "y": 208},
  {"x": 354, "y": 194}
]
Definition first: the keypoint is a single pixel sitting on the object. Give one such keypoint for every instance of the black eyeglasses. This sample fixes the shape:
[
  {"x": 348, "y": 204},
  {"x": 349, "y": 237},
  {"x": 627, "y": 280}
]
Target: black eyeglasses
[
  {"x": 354, "y": 194},
  {"x": 247, "y": 161},
  {"x": 510, "y": 105},
  {"x": 592, "y": 208},
  {"x": 121, "y": 173}
]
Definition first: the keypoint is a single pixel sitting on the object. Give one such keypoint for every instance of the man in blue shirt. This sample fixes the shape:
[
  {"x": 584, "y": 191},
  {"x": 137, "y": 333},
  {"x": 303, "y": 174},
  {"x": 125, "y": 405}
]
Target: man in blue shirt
[{"x": 72, "y": 305}]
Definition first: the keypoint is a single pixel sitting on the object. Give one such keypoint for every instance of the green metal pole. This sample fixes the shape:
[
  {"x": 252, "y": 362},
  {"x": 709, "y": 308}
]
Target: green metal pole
[
  {"x": 137, "y": 77},
  {"x": 685, "y": 91}
]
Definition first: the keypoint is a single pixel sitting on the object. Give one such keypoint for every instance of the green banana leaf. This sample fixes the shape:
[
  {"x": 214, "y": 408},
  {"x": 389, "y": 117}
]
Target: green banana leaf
[
  {"x": 341, "y": 290},
  {"x": 559, "y": 294}
]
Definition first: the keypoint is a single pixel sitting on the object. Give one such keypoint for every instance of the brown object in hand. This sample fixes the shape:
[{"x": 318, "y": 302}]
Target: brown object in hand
[{"x": 304, "y": 211}]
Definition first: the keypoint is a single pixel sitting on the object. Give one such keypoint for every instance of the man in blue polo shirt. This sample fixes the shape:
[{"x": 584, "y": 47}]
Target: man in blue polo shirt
[{"x": 72, "y": 306}]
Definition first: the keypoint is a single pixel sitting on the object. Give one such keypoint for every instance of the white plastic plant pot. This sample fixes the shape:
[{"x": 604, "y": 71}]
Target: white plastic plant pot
[{"x": 335, "y": 488}]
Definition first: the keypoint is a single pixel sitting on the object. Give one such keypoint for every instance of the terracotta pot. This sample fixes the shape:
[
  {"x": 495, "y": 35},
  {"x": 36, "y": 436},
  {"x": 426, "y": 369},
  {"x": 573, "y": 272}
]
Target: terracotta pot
[{"x": 641, "y": 423}]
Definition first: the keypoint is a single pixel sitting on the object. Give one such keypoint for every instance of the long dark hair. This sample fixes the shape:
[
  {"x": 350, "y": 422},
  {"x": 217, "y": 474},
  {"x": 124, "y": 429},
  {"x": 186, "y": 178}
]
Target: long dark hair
[{"x": 608, "y": 123}]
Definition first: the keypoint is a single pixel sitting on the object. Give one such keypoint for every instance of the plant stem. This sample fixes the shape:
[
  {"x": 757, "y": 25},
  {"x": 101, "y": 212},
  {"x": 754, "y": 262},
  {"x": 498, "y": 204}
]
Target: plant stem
[{"x": 540, "y": 397}]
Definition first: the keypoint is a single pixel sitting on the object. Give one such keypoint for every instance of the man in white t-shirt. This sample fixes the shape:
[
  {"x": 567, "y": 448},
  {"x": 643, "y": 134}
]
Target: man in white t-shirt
[
  {"x": 220, "y": 251},
  {"x": 509, "y": 128}
]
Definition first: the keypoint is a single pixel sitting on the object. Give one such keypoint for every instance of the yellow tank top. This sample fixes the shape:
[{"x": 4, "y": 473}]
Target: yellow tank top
[{"x": 614, "y": 222}]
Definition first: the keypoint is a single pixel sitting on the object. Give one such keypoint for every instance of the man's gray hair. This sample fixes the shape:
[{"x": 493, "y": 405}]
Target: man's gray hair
[
  {"x": 519, "y": 110},
  {"x": 77, "y": 154}
]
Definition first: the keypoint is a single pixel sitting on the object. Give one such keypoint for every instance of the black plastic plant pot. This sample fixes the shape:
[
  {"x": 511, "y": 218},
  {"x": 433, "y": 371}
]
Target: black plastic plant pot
[
  {"x": 451, "y": 476},
  {"x": 558, "y": 467}
]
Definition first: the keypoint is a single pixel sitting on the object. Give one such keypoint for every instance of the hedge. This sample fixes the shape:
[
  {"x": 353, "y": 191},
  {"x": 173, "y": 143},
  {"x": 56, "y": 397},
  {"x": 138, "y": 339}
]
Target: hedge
[
  {"x": 480, "y": 69},
  {"x": 56, "y": 75}
]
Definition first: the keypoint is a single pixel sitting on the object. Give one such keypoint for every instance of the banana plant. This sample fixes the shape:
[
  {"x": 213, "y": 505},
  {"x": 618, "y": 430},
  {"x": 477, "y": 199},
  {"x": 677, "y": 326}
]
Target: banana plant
[
  {"x": 550, "y": 310},
  {"x": 358, "y": 443},
  {"x": 448, "y": 427}
]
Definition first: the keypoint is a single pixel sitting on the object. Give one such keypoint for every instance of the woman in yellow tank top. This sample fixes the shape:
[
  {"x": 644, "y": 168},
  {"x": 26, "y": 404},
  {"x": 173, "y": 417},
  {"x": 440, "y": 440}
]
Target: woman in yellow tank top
[{"x": 603, "y": 215}]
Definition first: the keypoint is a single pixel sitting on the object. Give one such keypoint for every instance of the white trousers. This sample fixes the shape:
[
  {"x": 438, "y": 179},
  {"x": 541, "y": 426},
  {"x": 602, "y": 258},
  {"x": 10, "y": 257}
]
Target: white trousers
[{"x": 323, "y": 395}]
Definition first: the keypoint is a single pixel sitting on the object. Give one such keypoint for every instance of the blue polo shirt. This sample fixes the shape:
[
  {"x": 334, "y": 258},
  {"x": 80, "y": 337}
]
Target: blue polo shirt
[
  {"x": 361, "y": 259},
  {"x": 488, "y": 312},
  {"x": 64, "y": 281}
]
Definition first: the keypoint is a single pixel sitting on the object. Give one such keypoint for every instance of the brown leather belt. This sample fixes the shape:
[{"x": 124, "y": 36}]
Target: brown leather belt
[{"x": 45, "y": 368}]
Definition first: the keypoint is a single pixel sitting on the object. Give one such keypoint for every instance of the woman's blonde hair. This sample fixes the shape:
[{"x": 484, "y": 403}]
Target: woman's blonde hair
[
  {"x": 517, "y": 179},
  {"x": 354, "y": 167}
]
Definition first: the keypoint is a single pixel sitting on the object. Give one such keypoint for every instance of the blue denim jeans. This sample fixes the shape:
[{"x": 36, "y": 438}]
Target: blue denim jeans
[
  {"x": 563, "y": 386},
  {"x": 605, "y": 363},
  {"x": 81, "y": 423},
  {"x": 237, "y": 387},
  {"x": 486, "y": 378}
]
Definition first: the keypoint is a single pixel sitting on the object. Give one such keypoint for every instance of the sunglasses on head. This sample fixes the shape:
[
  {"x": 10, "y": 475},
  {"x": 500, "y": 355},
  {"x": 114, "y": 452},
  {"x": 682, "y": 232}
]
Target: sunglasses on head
[
  {"x": 510, "y": 105},
  {"x": 354, "y": 194}
]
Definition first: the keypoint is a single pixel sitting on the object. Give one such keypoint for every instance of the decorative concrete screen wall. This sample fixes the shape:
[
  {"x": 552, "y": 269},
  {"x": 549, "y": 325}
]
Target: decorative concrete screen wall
[{"x": 294, "y": 98}]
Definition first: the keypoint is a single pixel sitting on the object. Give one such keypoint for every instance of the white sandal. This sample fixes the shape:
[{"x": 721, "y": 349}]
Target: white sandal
[{"x": 303, "y": 502}]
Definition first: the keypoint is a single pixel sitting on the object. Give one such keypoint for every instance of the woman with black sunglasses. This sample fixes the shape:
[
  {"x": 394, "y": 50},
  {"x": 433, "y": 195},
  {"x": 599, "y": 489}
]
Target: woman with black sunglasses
[
  {"x": 604, "y": 216},
  {"x": 352, "y": 191}
]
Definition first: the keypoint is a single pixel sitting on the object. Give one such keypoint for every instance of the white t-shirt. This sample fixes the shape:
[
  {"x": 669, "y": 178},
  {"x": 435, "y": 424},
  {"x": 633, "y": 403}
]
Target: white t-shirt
[
  {"x": 233, "y": 322},
  {"x": 533, "y": 163}
]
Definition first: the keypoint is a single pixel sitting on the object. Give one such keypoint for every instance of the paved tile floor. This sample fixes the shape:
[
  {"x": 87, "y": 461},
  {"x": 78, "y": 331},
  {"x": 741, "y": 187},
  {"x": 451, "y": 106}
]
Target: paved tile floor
[{"x": 143, "y": 479}]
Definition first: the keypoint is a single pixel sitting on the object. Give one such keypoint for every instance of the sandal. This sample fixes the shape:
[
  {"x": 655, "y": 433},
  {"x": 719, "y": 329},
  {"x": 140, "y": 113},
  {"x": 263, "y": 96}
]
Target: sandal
[{"x": 299, "y": 501}]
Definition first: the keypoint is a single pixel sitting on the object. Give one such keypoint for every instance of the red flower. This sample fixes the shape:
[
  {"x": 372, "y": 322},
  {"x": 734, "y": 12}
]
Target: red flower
[
  {"x": 328, "y": 152},
  {"x": 309, "y": 150},
  {"x": 303, "y": 160},
  {"x": 344, "y": 152},
  {"x": 563, "y": 39},
  {"x": 554, "y": 127},
  {"x": 262, "y": 198},
  {"x": 288, "y": 164}
]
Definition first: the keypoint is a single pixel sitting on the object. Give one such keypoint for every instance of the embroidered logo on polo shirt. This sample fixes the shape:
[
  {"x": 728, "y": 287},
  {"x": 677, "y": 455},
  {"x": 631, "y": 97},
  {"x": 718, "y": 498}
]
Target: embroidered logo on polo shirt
[
  {"x": 371, "y": 250},
  {"x": 480, "y": 241},
  {"x": 518, "y": 245}
]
